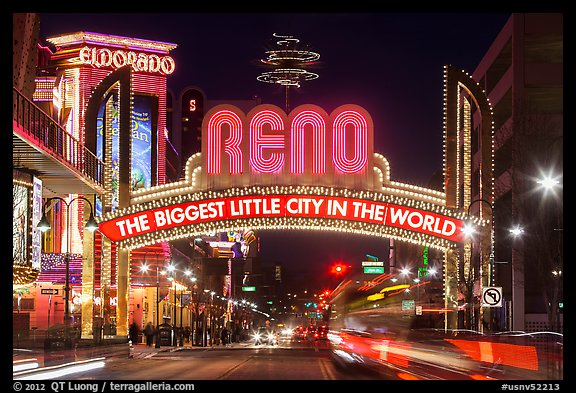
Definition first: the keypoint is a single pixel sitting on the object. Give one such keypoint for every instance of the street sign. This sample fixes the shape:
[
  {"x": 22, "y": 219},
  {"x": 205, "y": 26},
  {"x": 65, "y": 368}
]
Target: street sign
[
  {"x": 418, "y": 310},
  {"x": 373, "y": 270},
  {"x": 407, "y": 305},
  {"x": 248, "y": 289},
  {"x": 372, "y": 263},
  {"x": 492, "y": 297},
  {"x": 49, "y": 291}
]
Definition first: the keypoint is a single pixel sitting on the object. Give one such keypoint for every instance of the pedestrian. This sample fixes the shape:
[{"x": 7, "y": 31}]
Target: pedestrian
[
  {"x": 134, "y": 330},
  {"x": 149, "y": 332},
  {"x": 224, "y": 336}
]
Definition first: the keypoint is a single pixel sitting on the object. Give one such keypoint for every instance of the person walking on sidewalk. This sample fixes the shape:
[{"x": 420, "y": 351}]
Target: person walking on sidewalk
[
  {"x": 224, "y": 336},
  {"x": 134, "y": 330},
  {"x": 149, "y": 332}
]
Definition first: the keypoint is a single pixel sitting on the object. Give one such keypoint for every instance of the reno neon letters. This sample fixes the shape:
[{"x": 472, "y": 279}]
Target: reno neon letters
[{"x": 276, "y": 143}]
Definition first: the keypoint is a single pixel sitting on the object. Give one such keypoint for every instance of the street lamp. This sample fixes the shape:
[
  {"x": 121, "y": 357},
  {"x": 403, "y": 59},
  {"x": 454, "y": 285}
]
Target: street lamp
[
  {"x": 173, "y": 271},
  {"x": 516, "y": 231},
  {"x": 44, "y": 225},
  {"x": 552, "y": 255},
  {"x": 212, "y": 327},
  {"x": 144, "y": 268}
]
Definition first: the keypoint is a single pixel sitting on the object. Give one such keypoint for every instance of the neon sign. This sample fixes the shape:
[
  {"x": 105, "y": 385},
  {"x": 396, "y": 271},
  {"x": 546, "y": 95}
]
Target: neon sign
[
  {"x": 141, "y": 62},
  {"x": 308, "y": 139},
  {"x": 308, "y": 206}
]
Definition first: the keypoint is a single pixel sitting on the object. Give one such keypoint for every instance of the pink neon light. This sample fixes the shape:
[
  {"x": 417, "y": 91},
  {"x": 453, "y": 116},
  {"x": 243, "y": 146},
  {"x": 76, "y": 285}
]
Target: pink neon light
[
  {"x": 359, "y": 160},
  {"x": 297, "y": 149},
  {"x": 260, "y": 141},
  {"x": 231, "y": 144}
]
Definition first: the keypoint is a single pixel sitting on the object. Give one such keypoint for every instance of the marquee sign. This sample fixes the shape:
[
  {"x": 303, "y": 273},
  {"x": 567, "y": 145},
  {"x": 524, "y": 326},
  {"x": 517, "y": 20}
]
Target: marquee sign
[
  {"x": 112, "y": 52},
  {"x": 269, "y": 170}
]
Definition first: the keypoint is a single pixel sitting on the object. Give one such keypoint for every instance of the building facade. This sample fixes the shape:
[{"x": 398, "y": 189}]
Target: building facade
[{"x": 522, "y": 74}]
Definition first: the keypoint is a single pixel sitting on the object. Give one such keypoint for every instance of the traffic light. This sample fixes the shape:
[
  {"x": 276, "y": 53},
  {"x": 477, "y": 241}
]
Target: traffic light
[{"x": 339, "y": 269}]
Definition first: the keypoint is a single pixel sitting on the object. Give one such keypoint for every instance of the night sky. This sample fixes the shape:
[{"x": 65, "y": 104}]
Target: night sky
[{"x": 389, "y": 63}]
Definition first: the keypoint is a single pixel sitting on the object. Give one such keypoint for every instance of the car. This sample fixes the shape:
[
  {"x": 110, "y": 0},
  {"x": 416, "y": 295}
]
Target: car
[
  {"x": 311, "y": 333},
  {"x": 321, "y": 333},
  {"x": 299, "y": 333},
  {"x": 265, "y": 336}
]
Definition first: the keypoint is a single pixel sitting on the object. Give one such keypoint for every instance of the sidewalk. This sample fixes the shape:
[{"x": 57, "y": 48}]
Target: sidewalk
[{"x": 38, "y": 358}]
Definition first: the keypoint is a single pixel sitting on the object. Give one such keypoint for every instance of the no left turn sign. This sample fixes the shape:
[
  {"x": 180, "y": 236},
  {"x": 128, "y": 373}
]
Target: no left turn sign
[{"x": 492, "y": 297}]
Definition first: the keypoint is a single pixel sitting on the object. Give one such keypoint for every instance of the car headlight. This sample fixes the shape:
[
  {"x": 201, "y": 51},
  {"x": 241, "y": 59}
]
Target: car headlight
[
  {"x": 271, "y": 337},
  {"x": 256, "y": 336}
]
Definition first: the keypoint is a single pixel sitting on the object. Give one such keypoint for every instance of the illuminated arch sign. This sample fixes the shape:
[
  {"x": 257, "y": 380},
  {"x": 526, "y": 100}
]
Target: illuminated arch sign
[{"x": 267, "y": 170}]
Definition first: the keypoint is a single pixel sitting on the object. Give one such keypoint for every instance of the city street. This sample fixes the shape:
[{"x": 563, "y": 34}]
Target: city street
[{"x": 238, "y": 361}]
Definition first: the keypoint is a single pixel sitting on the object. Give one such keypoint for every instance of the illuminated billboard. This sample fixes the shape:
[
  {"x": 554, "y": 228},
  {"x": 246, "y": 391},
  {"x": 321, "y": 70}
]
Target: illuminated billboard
[{"x": 141, "y": 129}]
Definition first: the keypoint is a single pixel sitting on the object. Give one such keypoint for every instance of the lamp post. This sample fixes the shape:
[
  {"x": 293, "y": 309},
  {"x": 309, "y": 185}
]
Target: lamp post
[
  {"x": 196, "y": 295},
  {"x": 212, "y": 327},
  {"x": 171, "y": 270},
  {"x": 552, "y": 258},
  {"x": 181, "y": 343},
  {"x": 44, "y": 225},
  {"x": 144, "y": 268},
  {"x": 205, "y": 320},
  {"x": 175, "y": 337}
]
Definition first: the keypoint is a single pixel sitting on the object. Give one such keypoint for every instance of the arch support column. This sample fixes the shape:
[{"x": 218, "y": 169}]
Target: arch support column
[{"x": 122, "y": 310}]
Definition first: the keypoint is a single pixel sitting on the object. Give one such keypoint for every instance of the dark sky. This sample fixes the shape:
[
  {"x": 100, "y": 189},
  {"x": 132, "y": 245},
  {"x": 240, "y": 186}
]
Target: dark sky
[{"x": 389, "y": 63}]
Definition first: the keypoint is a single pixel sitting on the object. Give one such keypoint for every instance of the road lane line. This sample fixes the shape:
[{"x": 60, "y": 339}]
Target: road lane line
[
  {"x": 325, "y": 369},
  {"x": 324, "y": 375},
  {"x": 328, "y": 366},
  {"x": 234, "y": 368}
]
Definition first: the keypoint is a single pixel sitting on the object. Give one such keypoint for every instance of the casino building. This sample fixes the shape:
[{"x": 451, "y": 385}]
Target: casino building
[
  {"x": 83, "y": 136},
  {"x": 73, "y": 137}
]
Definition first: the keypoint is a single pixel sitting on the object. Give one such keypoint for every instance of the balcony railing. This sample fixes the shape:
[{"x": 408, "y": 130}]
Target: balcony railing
[{"x": 40, "y": 128}]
